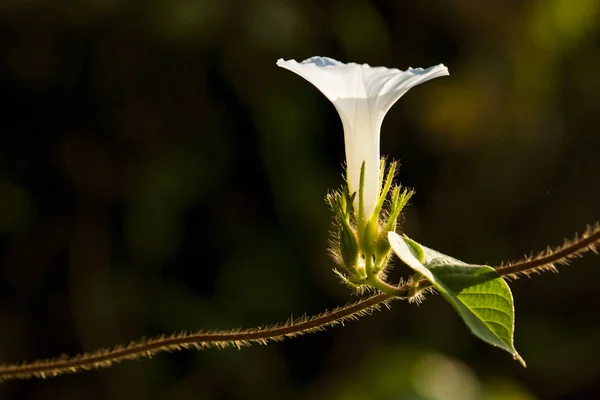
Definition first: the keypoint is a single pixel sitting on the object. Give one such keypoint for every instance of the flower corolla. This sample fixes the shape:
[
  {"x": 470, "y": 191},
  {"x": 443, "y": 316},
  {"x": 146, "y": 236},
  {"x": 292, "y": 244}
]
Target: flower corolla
[{"x": 362, "y": 96}]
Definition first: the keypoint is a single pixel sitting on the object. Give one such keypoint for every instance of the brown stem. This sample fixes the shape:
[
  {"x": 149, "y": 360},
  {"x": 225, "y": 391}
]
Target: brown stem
[
  {"x": 563, "y": 255},
  {"x": 148, "y": 347}
]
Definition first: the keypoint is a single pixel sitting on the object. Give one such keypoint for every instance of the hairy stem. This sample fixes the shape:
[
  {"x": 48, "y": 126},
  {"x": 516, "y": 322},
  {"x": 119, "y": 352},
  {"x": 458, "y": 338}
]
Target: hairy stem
[
  {"x": 104, "y": 358},
  {"x": 562, "y": 255},
  {"x": 146, "y": 348}
]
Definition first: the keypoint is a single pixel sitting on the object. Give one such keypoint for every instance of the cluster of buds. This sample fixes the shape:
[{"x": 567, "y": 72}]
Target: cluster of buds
[
  {"x": 362, "y": 95},
  {"x": 360, "y": 246}
]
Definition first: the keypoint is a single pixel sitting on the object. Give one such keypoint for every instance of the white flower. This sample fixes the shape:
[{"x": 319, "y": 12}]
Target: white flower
[{"x": 362, "y": 96}]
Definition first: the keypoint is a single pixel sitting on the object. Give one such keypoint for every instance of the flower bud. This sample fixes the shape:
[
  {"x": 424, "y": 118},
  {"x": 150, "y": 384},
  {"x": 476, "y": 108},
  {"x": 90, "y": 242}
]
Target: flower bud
[
  {"x": 348, "y": 247},
  {"x": 369, "y": 238},
  {"x": 382, "y": 248}
]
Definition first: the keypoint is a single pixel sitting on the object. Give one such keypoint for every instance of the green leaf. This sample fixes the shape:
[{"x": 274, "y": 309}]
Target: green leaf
[{"x": 477, "y": 292}]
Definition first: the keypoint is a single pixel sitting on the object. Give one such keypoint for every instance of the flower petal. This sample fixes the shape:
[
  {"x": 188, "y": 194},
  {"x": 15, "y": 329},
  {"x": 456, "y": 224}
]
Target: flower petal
[
  {"x": 362, "y": 96},
  {"x": 333, "y": 78}
]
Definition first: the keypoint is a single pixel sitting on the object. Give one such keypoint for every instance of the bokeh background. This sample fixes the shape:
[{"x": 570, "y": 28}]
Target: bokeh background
[{"x": 159, "y": 173}]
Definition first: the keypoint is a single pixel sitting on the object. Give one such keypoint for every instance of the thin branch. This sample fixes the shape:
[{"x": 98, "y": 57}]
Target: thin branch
[
  {"x": 146, "y": 348},
  {"x": 561, "y": 255}
]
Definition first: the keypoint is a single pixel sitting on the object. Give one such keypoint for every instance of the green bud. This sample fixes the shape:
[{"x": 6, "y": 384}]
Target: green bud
[
  {"x": 369, "y": 237},
  {"x": 382, "y": 248},
  {"x": 348, "y": 246}
]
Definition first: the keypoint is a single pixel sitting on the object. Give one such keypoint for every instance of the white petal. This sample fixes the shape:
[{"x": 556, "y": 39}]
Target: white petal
[
  {"x": 333, "y": 78},
  {"x": 362, "y": 96}
]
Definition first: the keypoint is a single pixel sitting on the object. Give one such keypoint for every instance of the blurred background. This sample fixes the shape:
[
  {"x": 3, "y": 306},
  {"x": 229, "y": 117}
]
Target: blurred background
[{"x": 159, "y": 173}]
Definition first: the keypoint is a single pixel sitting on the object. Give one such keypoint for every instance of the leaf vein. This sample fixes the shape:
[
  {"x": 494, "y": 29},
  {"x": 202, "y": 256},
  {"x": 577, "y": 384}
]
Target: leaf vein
[{"x": 491, "y": 308}]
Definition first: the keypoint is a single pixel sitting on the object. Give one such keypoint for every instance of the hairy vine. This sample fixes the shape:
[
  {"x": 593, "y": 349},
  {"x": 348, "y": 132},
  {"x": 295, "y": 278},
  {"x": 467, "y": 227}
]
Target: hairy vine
[{"x": 146, "y": 348}]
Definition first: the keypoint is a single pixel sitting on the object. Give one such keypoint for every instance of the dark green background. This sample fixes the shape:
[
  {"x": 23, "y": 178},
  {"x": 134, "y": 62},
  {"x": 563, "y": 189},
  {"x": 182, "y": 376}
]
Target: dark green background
[{"x": 159, "y": 173}]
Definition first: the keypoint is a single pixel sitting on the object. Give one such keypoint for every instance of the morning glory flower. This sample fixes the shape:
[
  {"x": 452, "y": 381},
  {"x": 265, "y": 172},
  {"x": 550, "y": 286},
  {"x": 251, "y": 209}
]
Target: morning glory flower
[{"x": 362, "y": 96}]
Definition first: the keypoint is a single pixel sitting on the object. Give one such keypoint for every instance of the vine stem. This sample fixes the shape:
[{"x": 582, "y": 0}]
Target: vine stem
[
  {"x": 105, "y": 358},
  {"x": 220, "y": 339}
]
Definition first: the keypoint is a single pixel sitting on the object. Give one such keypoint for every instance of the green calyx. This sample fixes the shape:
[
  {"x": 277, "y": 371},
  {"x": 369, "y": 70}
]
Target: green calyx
[{"x": 359, "y": 244}]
